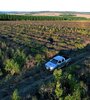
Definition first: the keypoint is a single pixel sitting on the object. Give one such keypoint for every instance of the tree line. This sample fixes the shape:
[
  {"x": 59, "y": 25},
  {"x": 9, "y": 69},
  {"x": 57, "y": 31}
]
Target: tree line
[{"x": 27, "y": 17}]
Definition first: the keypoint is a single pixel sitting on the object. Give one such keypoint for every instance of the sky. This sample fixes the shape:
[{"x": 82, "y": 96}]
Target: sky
[{"x": 45, "y": 5}]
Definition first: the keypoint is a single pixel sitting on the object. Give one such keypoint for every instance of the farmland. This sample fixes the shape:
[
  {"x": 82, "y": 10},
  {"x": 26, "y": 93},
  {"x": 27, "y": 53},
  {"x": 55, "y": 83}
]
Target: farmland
[{"x": 25, "y": 46}]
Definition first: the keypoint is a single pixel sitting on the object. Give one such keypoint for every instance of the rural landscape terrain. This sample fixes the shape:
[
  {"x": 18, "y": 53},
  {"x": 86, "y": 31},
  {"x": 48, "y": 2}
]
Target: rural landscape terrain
[
  {"x": 28, "y": 42},
  {"x": 49, "y": 13}
]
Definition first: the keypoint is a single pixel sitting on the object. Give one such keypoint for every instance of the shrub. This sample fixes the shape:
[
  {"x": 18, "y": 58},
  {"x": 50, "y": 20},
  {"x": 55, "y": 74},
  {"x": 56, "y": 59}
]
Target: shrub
[
  {"x": 74, "y": 96},
  {"x": 11, "y": 66},
  {"x": 58, "y": 90},
  {"x": 38, "y": 58},
  {"x": 57, "y": 74},
  {"x": 19, "y": 57},
  {"x": 15, "y": 95}
]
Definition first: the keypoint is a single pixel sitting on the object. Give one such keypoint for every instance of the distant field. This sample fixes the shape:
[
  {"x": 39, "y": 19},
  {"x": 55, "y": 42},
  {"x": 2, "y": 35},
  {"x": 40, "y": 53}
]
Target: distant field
[
  {"x": 47, "y": 14},
  {"x": 83, "y": 15},
  {"x": 58, "y": 14}
]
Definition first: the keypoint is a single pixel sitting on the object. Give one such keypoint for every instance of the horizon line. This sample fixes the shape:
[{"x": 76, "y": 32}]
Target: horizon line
[{"x": 46, "y": 11}]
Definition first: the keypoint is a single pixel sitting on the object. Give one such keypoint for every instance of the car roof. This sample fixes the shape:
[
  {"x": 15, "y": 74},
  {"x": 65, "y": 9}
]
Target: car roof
[{"x": 59, "y": 58}]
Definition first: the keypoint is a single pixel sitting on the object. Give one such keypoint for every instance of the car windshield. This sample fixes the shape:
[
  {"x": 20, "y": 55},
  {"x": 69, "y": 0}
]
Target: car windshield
[{"x": 54, "y": 61}]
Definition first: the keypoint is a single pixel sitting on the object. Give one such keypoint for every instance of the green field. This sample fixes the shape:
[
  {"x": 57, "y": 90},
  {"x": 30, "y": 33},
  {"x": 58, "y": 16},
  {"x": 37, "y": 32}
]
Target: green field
[{"x": 32, "y": 17}]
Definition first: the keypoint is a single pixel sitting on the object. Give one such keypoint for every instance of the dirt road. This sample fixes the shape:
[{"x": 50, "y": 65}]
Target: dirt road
[{"x": 29, "y": 82}]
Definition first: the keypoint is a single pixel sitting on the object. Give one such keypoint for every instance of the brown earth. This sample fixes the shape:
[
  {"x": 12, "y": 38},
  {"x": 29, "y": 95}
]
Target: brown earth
[
  {"x": 58, "y": 14},
  {"x": 83, "y": 15},
  {"x": 47, "y": 14}
]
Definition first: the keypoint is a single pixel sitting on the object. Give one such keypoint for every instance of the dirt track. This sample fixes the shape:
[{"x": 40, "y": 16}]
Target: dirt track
[{"x": 29, "y": 83}]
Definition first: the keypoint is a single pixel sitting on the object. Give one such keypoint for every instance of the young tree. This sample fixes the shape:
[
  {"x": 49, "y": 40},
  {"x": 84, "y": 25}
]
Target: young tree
[
  {"x": 58, "y": 90},
  {"x": 15, "y": 95},
  {"x": 11, "y": 66},
  {"x": 19, "y": 57}
]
